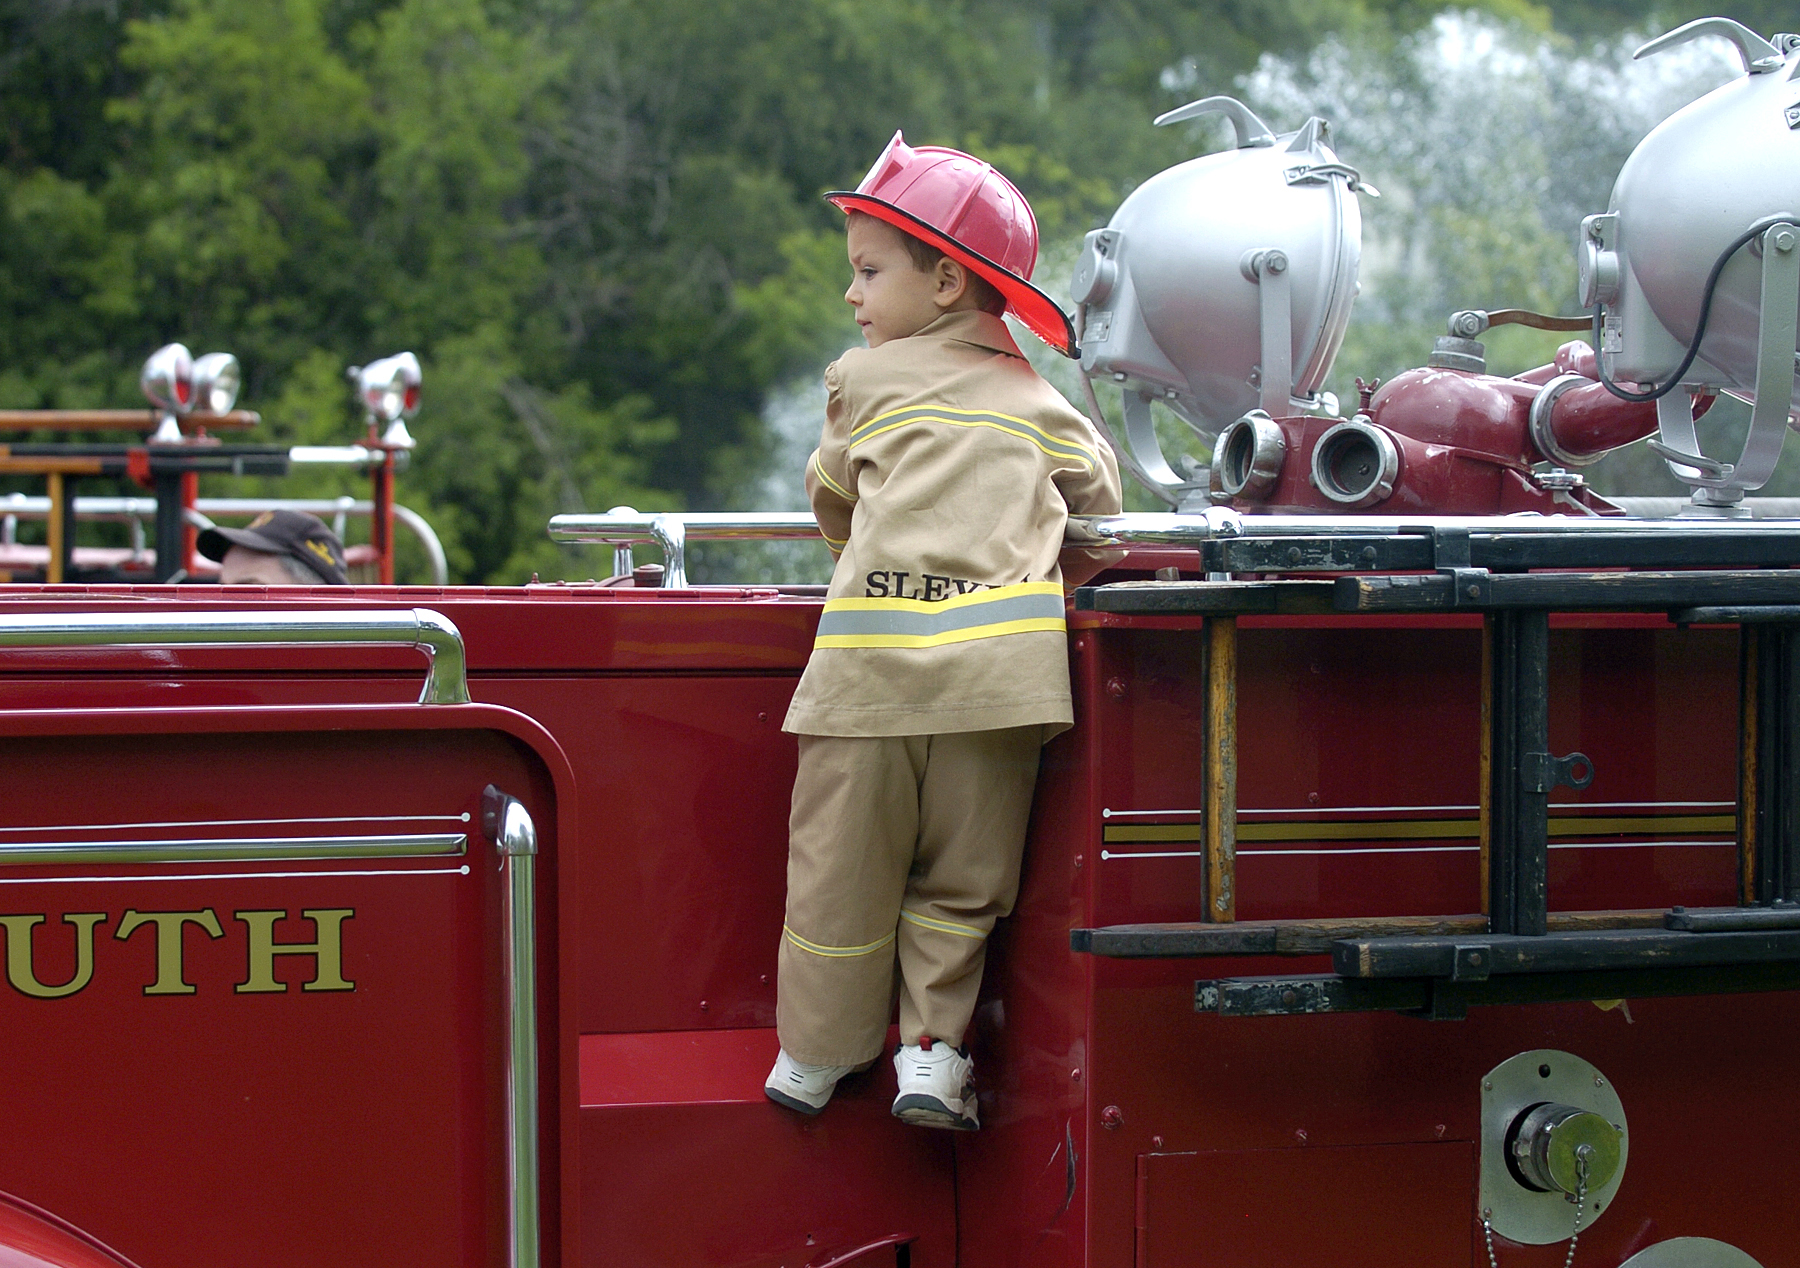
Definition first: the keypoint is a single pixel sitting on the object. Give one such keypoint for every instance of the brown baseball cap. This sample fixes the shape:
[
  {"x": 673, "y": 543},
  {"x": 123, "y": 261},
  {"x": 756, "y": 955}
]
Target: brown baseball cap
[{"x": 292, "y": 533}]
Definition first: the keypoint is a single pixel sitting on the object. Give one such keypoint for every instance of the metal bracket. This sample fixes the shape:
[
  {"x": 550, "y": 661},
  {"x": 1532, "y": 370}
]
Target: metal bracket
[
  {"x": 1776, "y": 335},
  {"x": 1540, "y": 772},
  {"x": 1140, "y": 433},
  {"x": 1269, "y": 270},
  {"x": 1474, "y": 587},
  {"x": 1473, "y": 963},
  {"x": 1450, "y": 546}
]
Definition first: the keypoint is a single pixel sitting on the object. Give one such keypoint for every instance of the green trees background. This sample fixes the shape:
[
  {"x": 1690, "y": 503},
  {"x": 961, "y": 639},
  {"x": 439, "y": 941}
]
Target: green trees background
[{"x": 598, "y": 224}]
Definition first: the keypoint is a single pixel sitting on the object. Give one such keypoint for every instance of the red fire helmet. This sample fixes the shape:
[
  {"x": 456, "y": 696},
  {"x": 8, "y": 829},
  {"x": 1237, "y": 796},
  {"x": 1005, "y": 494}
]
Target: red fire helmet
[{"x": 971, "y": 213}]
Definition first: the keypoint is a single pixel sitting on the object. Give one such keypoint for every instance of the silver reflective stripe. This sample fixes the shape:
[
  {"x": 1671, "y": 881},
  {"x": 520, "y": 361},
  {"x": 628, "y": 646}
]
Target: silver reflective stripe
[{"x": 912, "y": 622}]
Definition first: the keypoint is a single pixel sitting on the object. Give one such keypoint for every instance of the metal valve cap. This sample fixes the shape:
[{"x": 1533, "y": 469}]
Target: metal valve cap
[{"x": 1550, "y": 1141}]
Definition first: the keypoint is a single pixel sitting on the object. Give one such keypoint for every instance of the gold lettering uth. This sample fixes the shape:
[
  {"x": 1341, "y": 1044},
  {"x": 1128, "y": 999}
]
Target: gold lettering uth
[{"x": 326, "y": 950}]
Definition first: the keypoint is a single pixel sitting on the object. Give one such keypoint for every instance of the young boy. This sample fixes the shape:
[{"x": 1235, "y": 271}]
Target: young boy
[{"x": 943, "y": 483}]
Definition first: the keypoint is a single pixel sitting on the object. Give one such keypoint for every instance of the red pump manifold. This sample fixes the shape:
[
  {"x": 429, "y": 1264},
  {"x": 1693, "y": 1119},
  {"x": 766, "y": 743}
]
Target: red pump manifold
[{"x": 1436, "y": 440}]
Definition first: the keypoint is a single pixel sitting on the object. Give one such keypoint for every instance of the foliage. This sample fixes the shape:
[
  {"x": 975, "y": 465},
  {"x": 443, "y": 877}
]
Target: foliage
[{"x": 597, "y": 222}]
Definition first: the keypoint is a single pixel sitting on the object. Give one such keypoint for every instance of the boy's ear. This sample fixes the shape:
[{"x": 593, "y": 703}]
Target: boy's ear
[{"x": 950, "y": 282}]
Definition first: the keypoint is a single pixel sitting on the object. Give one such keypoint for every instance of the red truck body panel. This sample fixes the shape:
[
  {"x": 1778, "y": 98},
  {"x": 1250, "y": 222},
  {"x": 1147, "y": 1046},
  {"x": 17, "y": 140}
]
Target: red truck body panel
[{"x": 1121, "y": 1127}]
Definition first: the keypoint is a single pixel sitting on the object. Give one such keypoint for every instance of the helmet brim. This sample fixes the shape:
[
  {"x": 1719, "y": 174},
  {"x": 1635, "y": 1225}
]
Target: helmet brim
[{"x": 1041, "y": 315}]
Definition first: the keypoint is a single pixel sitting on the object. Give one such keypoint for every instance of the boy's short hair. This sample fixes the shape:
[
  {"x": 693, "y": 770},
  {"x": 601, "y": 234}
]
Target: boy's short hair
[{"x": 924, "y": 256}]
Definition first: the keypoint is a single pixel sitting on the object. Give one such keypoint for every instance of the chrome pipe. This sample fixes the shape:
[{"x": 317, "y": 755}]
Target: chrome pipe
[
  {"x": 623, "y": 529},
  {"x": 671, "y": 530},
  {"x": 446, "y": 679},
  {"x": 1221, "y": 522},
  {"x": 1665, "y": 508},
  {"x": 336, "y": 455},
  {"x": 514, "y": 835}
]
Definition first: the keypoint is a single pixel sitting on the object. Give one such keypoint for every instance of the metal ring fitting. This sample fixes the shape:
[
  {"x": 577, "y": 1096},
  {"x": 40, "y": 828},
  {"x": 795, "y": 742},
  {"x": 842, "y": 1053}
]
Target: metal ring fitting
[
  {"x": 1543, "y": 435},
  {"x": 1247, "y": 458},
  {"x": 1356, "y": 463}
]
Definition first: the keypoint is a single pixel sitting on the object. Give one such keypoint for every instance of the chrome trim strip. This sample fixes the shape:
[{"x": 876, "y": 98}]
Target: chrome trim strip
[
  {"x": 446, "y": 681},
  {"x": 509, "y": 826},
  {"x": 1108, "y": 855},
  {"x": 1321, "y": 812},
  {"x": 235, "y": 876},
  {"x": 235, "y": 850},
  {"x": 239, "y": 823}
]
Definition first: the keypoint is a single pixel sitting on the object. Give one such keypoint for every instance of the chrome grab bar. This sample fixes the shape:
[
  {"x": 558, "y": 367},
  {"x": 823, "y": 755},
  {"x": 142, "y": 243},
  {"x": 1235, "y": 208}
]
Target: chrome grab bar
[
  {"x": 624, "y": 527},
  {"x": 446, "y": 679},
  {"x": 1215, "y": 523},
  {"x": 508, "y": 825}
]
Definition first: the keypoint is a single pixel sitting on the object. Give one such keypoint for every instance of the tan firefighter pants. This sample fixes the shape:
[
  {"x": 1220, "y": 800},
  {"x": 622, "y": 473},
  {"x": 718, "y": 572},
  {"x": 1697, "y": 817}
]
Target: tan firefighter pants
[{"x": 901, "y": 850}]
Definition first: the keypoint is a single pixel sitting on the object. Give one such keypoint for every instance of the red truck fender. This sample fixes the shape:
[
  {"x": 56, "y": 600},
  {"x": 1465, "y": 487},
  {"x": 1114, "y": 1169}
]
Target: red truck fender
[{"x": 31, "y": 1237}]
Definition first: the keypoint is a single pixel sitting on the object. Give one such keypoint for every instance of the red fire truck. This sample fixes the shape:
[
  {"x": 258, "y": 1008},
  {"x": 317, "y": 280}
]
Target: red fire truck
[{"x": 1417, "y": 886}]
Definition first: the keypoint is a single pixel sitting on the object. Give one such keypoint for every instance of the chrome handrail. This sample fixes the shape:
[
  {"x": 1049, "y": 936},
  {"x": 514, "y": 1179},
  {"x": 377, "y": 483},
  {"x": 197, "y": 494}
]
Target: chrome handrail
[
  {"x": 1216, "y": 523},
  {"x": 624, "y": 527},
  {"x": 508, "y": 825},
  {"x": 671, "y": 530},
  {"x": 446, "y": 678},
  {"x": 136, "y": 510}
]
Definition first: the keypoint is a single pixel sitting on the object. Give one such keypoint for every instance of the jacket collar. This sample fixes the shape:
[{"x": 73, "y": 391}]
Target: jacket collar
[{"x": 973, "y": 326}]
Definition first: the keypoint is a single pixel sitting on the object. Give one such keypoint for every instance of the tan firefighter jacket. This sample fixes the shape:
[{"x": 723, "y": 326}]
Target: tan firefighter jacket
[{"x": 943, "y": 482}]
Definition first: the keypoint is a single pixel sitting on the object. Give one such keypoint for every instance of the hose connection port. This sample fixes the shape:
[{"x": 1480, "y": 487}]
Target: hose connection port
[
  {"x": 1247, "y": 458},
  {"x": 1356, "y": 463}
]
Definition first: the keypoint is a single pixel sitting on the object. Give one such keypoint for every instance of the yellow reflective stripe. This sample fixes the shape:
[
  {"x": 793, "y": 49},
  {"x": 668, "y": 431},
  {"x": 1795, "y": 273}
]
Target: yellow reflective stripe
[
  {"x": 1033, "y": 625},
  {"x": 1026, "y": 608},
  {"x": 828, "y": 482},
  {"x": 834, "y": 952},
  {"x": 1055, "y": 447},
  {"x": 941, "y": 926},
  {"x": 833, "y": 542},
  {"x": 938, "y": 413}
]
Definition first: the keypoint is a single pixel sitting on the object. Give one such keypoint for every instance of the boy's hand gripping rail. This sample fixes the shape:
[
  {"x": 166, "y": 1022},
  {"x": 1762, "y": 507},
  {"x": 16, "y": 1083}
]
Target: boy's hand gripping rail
[{"x": 446, "y": 681}]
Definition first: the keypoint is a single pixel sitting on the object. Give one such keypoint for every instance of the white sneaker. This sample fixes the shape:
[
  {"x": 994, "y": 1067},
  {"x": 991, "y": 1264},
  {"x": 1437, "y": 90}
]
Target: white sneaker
[
  {"x": 802, "y": 1086},
  {"x": 937, "y": 1087}
]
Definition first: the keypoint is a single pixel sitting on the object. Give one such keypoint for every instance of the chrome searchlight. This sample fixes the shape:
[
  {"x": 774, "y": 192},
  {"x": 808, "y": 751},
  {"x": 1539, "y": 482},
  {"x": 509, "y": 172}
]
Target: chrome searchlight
[
  {"x": 217, "y": 379},
  {"x": 1221, "y": 285},
  {"x": 168, "y": 379},
  {"x": 389, "y": 391},
  {"x": 1693, "y": 272}
]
